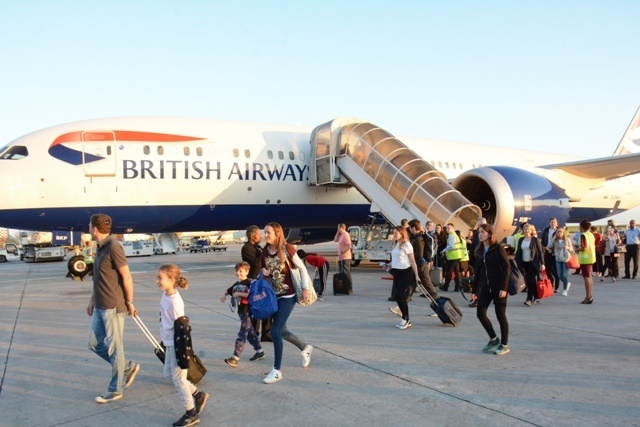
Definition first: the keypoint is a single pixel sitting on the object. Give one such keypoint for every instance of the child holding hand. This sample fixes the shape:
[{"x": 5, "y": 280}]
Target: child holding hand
[{"x": 240, "y": 291}]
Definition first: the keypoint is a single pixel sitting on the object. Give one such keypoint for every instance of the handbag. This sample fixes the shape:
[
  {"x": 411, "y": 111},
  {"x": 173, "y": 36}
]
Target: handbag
[
  {"x": 572, "y": 262},
  {"x": 516, "y": 279},
  {"x": 621, "y": 248},
  {"x": 544, "y": 286},
  {"x": 296, "y": 279}
]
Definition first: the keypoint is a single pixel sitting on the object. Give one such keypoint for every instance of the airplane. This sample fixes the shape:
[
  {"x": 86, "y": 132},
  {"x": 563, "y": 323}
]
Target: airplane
[{"x": 169, "y": 174}]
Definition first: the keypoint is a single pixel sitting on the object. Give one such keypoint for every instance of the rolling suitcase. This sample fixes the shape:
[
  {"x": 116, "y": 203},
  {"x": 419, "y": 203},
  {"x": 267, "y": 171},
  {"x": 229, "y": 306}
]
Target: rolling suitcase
[
  {"x": 445, "y": 308},
  {"x": 196, "y": 369},
  {"x": 341, "y": 284}
]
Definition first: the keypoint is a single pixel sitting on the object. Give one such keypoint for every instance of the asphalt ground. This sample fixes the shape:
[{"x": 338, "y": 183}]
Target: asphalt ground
[{"x": 570, "y": 364}]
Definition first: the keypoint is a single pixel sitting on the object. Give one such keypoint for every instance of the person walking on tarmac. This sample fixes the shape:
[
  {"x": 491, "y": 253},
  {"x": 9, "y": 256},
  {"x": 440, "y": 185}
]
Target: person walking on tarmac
[{"x": 454, "y": 252}]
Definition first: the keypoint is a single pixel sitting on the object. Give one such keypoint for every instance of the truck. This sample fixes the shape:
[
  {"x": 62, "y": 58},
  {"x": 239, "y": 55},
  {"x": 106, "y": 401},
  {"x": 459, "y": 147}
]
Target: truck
[
  {"x": 43, "y": 252},
  {"x": 371, "y": 242},
  {"x": 9, "y": 252}
]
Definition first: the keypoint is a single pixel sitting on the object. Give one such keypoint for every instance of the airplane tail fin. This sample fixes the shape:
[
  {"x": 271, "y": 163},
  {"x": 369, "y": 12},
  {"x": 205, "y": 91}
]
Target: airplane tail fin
[{"x": 630, "y": 142}]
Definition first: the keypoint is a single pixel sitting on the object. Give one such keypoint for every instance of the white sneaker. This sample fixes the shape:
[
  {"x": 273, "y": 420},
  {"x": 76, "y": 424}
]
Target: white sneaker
[
  {"x": 568, "y": 286},
  {"x": 564, "y": 293},
  {"x": 396, "y": 311},
  {"x": 273, "y": 377},
  {"x": 306, "y": 355},
  {"x": 404, "y": 324}
]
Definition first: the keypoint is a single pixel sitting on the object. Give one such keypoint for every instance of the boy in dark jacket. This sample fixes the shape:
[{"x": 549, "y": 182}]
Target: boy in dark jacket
[{"x": 240, "y": 291}]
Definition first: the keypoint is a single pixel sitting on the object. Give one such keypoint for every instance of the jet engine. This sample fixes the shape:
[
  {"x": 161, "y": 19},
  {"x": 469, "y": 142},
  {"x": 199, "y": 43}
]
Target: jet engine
[{"x": 508, "y": 196}]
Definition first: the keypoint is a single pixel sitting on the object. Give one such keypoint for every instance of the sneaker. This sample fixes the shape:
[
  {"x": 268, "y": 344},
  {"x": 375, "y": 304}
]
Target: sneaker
[
  {"x": 187, "y": 420},
  {"x": 320, "y": 297},
  {"x": 434, "y": 314},
  {"x": 258, "y": 356},
  {"x": 502, "y": 349},
  {"x": 109, "y": 396},
  {"x": 201, "y": 398},
  {"x": 527, "y": 303},
  {"x": 404, "y": 324},
  {"x": 135, "y": 367},
  {"x": 396, "y": 311},
  {"x": 491, "y": 345},
  {"x": 306, "y": 355},
  {"x": 564, "y": 293},
  {"x": 231, "y": 361},
  {"x": 274, "y": 376}
]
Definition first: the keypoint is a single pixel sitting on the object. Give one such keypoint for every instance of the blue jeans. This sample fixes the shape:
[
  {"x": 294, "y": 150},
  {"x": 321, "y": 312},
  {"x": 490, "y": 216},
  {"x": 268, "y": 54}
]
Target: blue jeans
[
  {"x": 106, "y": 340},
  {"x": 563, "y": 273},
  {"x": 279, "y": 330}
]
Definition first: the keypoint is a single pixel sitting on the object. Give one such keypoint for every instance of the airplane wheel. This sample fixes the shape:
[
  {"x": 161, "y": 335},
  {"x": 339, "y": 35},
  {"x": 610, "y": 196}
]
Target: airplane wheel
[
  {"x": 76, "y": 265},
  {"x": 355, "y": 262}
]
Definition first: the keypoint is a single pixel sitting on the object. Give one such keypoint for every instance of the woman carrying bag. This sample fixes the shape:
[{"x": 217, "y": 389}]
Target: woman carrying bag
[{"x": 530, "y": 261}]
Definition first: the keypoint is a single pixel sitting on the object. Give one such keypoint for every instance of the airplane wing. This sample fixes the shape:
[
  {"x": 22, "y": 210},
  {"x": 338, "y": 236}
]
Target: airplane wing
[{"x": 605, "y": 168}]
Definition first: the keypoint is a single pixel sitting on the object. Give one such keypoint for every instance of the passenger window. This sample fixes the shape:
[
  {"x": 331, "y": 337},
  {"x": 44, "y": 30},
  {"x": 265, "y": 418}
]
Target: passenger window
[
  {"x": 446, "y": 165},
  {"x": 440, "y": 164},
  {"x": 160, "y": 150},
  {"x": 291, "y": 155},
  {"x": 454, "y": 165},
  {"x": 247, "y": 154},
  {"x": 460, "y": 165},
  {"x": 146, "y": 150},
  {"x": 270, "y": 154},
  {"x": 199, "y": 151},
  {"x": 280, "y": 155},
  {"x": 186, "y": 151},
  {"x": 236, "y": 153}
]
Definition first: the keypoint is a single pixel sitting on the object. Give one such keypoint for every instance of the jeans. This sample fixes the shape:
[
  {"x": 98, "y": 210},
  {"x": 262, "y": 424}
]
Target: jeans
[
  {"x": 178, "y": 376},
  {"x": 106, "y": 340},
  {"x": 279, "y": 330},
  {"x": 631, "y": 255},
  {"x": 563, "y": 273}
]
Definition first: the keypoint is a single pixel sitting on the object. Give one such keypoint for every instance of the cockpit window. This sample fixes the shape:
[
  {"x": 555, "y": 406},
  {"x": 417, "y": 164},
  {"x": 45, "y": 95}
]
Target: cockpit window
[{"x": 16, "y": 152}]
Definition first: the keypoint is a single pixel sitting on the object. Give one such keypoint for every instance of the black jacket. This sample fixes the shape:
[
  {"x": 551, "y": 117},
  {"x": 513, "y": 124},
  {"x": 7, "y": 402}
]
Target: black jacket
[
  {"x": 491, "y": 270},
  {"x": 537, "y": 256},
  {"x": 252, "y": 253},
  {"x": 182, "y": 341}
]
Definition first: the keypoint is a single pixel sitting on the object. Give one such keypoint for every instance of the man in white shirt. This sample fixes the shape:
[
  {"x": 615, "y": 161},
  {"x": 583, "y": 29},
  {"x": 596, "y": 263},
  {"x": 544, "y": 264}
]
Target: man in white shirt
[{"x": 633, "y": 240}]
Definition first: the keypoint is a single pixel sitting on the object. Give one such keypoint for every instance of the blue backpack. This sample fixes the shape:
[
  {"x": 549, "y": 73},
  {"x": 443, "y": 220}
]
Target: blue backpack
[{"x": 262, "y": 299}]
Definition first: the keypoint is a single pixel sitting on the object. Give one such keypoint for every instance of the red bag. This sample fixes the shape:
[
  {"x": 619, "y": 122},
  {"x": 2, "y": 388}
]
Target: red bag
[
  {"x": 544, "y": 286},
  {"x": 573, "y": 263}
]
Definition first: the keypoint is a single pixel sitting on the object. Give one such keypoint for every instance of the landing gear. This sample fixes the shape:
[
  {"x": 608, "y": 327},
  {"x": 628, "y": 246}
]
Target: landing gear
[{"x": 78, "y": 267}]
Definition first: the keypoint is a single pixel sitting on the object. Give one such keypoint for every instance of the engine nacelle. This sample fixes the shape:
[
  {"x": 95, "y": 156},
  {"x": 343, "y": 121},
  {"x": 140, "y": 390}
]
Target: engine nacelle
[{"x": 508, "y": 196}]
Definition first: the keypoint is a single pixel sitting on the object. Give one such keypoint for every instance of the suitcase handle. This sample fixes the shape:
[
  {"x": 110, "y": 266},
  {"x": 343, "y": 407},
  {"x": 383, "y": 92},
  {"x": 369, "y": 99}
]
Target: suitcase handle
[{"x": 147, "y": 333}]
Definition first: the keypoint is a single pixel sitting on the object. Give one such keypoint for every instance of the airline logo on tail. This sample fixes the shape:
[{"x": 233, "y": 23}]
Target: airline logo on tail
[{"x": 60, "y": 147}]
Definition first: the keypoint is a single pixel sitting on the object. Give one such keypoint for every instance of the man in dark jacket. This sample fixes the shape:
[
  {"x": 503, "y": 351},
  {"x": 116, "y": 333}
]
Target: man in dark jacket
[{"x": 252, "y": 254}]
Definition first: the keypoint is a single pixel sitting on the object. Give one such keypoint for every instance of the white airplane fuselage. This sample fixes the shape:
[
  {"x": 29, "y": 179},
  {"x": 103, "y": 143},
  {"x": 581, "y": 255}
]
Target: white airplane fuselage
[{"x": 162, "y": 174}]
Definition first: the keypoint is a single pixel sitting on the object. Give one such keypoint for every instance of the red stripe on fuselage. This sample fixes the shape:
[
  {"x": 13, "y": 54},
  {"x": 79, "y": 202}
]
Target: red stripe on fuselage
[{"x": 129, "y": 136}]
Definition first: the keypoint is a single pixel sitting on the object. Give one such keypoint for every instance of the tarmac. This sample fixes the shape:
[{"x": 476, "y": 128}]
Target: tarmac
[{"x": 570, "y": 364}]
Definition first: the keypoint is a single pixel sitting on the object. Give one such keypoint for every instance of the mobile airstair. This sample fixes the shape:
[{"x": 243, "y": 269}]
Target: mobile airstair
[{"x": 398, "y": 182}]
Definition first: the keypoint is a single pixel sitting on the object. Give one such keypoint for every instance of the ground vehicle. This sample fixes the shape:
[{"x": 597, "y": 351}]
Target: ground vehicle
[
  {"x": 9, "y": 252},
  {"x": 199, "y": 246},
  {"x": 40, "y": 253},
  {"x": 371, "y": 242}
]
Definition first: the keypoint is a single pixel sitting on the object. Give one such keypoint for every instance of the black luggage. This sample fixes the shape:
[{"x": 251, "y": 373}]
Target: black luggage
[
  {"x": 444, "y": 307},
  {"x": 341, "y": 284},
  {"x": 196, "y": 369}
]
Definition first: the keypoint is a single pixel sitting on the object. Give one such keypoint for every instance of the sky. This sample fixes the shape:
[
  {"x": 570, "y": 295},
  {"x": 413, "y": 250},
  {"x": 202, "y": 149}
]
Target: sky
[{"x": 557, "y": 76}]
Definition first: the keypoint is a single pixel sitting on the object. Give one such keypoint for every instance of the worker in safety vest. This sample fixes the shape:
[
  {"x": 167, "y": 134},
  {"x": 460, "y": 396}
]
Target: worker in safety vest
[
  {"x": 586, "y": 258},
  {"x": 454, "y": 251}
]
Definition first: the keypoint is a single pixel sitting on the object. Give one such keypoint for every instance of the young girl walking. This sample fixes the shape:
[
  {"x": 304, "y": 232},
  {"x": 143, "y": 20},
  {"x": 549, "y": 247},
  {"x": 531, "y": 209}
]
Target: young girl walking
[{"x": 171, "y": 309}]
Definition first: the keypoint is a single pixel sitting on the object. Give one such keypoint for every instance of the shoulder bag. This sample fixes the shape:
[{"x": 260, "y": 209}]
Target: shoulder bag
[{"x": 297, "y": 278}]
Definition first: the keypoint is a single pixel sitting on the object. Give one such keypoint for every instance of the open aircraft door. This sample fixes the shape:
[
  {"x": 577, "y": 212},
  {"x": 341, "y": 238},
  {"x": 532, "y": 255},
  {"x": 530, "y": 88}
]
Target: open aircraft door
[{"x": 99, "y": 153}]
